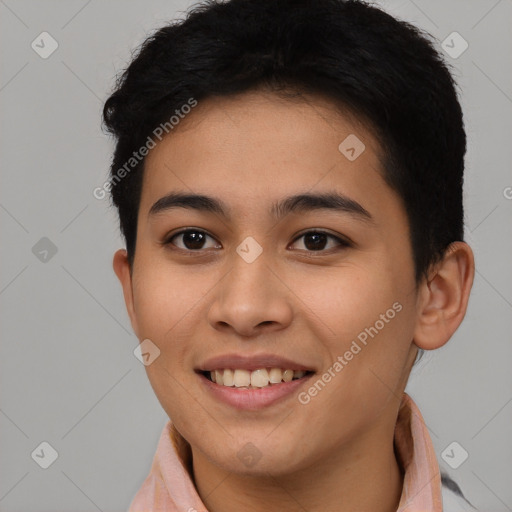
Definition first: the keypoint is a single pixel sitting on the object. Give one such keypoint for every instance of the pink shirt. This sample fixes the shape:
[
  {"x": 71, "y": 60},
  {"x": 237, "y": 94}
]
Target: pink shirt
[{"x": 169, "y": 486}]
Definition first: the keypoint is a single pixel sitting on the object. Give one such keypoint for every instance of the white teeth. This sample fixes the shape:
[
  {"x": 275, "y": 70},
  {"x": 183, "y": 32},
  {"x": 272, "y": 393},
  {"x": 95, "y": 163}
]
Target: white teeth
[
  {"x": 242, "y": 378},
  {"x": 276, "y": 375},
  {"x": 288, "y": 375},
  {"x": 260, "y": 378},
  {"x": 228, "y": 378}
]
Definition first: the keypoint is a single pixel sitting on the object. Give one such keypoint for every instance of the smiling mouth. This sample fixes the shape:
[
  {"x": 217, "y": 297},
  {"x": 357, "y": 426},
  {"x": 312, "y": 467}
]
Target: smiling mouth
[{"x": 257, "y": 379}]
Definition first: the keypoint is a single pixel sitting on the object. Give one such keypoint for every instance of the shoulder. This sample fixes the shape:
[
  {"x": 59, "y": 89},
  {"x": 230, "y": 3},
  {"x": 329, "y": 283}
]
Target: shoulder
[{"x": 453, "y": 498}]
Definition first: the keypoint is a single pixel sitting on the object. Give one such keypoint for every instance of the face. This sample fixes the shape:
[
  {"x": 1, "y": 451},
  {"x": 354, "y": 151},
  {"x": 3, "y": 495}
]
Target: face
[{"x": 315, "y": 291}]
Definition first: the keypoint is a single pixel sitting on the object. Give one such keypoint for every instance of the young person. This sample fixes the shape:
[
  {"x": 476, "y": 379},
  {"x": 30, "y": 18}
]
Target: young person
[{"x": 288, "y": 176}]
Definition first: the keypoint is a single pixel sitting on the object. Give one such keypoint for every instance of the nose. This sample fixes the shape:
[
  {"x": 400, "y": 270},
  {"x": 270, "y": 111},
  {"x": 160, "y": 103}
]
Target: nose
[{"x": 252, "y": 299}]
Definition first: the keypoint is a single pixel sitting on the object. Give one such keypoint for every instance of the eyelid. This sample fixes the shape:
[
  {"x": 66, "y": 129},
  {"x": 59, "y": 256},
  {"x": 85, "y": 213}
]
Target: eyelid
[
  {"x": 167, "y": 239},
  {"x": 343, "y": 241}
]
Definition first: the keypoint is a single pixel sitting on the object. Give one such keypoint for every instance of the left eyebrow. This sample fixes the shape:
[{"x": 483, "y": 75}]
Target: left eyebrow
[
  {"x": 302, "y": 203},
  {"x": 299, "y": 203}
]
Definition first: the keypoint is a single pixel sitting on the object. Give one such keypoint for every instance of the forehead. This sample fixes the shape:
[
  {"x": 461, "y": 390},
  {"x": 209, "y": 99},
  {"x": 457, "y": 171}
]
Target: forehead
[{"x": 258, "y": 147}]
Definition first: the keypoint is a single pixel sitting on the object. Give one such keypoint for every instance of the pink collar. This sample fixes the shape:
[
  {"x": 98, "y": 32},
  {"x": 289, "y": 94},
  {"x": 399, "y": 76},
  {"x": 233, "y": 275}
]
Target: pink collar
[{"x": 169, "y": 485}]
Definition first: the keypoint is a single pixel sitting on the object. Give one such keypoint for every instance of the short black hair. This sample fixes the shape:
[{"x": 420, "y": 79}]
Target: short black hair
[{"x": 385, "y": 71}]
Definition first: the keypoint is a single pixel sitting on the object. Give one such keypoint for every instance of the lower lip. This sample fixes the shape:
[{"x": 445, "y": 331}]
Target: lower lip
[{"x": 253, "y": 399}]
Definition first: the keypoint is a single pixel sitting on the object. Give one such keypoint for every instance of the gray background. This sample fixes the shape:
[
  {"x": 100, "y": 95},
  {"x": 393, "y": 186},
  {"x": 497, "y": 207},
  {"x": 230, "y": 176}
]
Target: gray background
[{"x": 68, "y": 373}]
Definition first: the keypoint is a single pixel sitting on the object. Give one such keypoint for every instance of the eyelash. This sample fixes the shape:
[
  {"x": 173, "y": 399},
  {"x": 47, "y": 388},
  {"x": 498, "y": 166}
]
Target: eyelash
[{"x": 343, "y": 243}]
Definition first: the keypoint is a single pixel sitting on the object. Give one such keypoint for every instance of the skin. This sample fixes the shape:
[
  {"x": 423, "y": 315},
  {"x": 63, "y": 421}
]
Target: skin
[{"x": 336, "y": 452}]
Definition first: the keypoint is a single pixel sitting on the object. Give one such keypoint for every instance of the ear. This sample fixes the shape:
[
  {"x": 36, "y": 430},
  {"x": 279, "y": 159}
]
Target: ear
[
  {"x": 123, "y": 273},
  {"x": 443, "y": 297}
]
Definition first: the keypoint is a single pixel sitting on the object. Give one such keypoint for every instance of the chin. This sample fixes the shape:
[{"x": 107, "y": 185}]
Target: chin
[{"x": 258, "y": 456}]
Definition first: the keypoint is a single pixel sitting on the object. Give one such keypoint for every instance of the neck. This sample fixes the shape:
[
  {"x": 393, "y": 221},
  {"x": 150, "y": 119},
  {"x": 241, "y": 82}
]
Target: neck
[{"x": 362, "y": 478}]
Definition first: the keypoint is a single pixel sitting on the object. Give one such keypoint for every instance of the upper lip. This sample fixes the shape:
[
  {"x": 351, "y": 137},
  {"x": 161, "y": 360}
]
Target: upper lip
[{"x": 251, "y": 363}]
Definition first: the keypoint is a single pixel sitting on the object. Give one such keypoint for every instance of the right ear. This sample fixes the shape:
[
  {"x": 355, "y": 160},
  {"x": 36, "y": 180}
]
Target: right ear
[
  {"x": 444, "y": 297},
  {"x": 122, "y": 269}
]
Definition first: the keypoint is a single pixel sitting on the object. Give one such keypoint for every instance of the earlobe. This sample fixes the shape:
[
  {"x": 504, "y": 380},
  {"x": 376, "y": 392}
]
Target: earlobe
[
  {"x": 121, "y": 267},
  {"x": 443, "y": 298}
]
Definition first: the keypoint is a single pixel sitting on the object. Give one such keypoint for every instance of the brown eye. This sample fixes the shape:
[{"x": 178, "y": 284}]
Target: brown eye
[
  {"x": 317, "y": 240},
  {"x": 192, "y": 239}
]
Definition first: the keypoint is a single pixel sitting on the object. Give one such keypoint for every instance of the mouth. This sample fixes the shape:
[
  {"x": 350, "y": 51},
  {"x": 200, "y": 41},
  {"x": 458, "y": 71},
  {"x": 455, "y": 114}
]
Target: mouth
[
  {"x": 260, "y": 378},
  {"x": 252, "y": 382},
  {"x": 254, "y": 387}
]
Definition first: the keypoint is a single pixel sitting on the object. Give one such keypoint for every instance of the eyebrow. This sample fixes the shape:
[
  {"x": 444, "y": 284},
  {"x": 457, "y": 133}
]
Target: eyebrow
[{"x": 299, "y": 203}]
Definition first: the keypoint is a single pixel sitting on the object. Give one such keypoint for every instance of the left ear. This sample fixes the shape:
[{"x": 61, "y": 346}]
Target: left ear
[{"x": 443, "y": 297}]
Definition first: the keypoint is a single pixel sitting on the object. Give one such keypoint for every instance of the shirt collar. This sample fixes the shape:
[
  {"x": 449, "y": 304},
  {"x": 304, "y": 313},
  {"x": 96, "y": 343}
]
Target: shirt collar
[
  {"x": 170, "y": 486},
  {"x": 421, "y": 491}
]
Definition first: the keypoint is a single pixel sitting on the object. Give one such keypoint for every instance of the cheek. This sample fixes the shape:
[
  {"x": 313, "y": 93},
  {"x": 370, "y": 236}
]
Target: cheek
[
  {"x": 367, "y": 320},
  {"x": 166, "y": 305},
  {"x": 350, "y": 300},
  {"x": 163, "y": 297}
]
